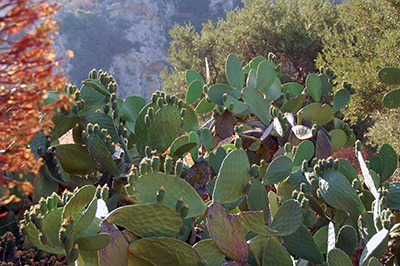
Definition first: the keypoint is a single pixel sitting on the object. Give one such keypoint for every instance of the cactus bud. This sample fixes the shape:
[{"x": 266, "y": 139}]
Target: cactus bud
[
  {"x": 183, "y": 230},
  {"x": 358, "y": 145},
  {"x": 336, "y": 164},
  {"x": 178, "y": 167},
  {"x": 104, "y": 192},
  {"x": 179, "y": 205},
  {"x": 386, "y": 224},
  {"x": 225, "y": 97},
  {"x": 247, "y": 188},
  {"x": 43, "y": 239},
  {"x": 294, "y": 150},
  {"x": 330, "y": 162},
  {"x": 106, "y": 109},
  {"x": 287, "y": 147},
  {"x": 168, "y": 165},
  {"x": 238, "y": 143},
  {"x": 278, "y": 67},
  {"x": 115, "y": 114},
  {"x": 143, "y": 168},
  {"x": 317, "y": 170},
  {"x": 303, "y": 187},
  {"x": 114, "y": 105},
  {"x": 254, "y": 171},
  {"x": 180, "y": 104},
  {"x": 133, "y": 174},
  {"x": 263, "y": 163},
  {"x": 147, "y": 119},
  {"x": 154, "y": 98},
  {"x": 155, "y": 163},
  {"x": 184, "y": 211},
  {"x": 322, "y": 70},
  {"x": 300, "y": 197},
  {"x": 112, "y": 148},
  {"x": 295, "y": 194},
  {"x": 304, "y": 166},
  {"x": 147, "y": 151},
  {"x": 73, "y": 255},
  {"x": 43, "y": 206},
  {"x": 160, "y": 195},
  {"x": 98, "y": 192},
  {"x": 183, "y": 112},
  {"x": 150, "y": 112},
  {"x": 160, "y": 102}
]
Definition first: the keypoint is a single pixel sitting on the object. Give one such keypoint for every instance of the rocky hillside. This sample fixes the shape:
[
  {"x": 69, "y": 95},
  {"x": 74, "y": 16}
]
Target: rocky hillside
[{"x": 128, "y": 38}]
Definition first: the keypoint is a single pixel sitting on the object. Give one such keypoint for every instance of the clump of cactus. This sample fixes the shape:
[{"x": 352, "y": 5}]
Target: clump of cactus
[{"x": 255, "y": 185}]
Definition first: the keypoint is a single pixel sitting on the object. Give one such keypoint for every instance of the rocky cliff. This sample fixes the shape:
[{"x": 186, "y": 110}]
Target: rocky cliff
[{"x": 145, "y": 24}]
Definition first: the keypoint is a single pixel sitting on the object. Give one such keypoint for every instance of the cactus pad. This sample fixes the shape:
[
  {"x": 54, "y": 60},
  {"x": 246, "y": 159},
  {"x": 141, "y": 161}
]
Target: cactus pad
[
  {"x": 278, "y": 170},
  {"x": 337, "y": 257},
  {"x": 94, "y": 242},
  {"x": 234, "y": 72},
  {"x": 375, "y": 247},
  {"x": 257, "y": 199},
  {"x": 389, "y": 159},
  {"x": 165, "y": 251},
  {"x": 275, "y": 255},
  {"x": 254, "y": 221},
  {"x": 81, "y": 198},
  {"x": 216, "y": 92},
  {"x": 390, "y": 75},
  {"x": 391, "y": 99},
  {"x": 210, "y": 252},
  {"x": 233, "y": 175},
  {"x": 98, "y": 149},
  {"x": 175, "y": 187},
  {"x": 341, "y": 99},
  {"x": 338, "y": 139},
  {"x": 288, "y": 218},
  {"x": 305, "y": 151},
  {"x": 302, "y": 132},
  {"x": 316, "y": 112},
  {"x": 266, "y": 75},
  {"x": 147, "y": 220},
  {"x": 194, "y": 91},
  {"x": 192, "y": 75},
  {"x": 314, "y": 86},
  {"x": 347, "y": 240},
  {"x": 75, "y": 159},
  {"x": 257, "y": 104}
]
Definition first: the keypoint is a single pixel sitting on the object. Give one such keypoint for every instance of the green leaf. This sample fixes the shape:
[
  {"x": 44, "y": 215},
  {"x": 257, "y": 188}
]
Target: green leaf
[
  {"x": 150, "y": 219},
  {"x": 62, "y": 124},
  {"x": 165, "y": 251},
  {"x": 238, "y": 106},
  {"x": 341, "y": 99},
  {"x": 275, "y": 255},
  {"x": 278, "y": 170},
  {"x": 266, "y": 75},
  {"x": 131, "y": 107},
  {"x": 288, "y": 218},
  {"x": 190, "y": 119},
  {"x": 257, "y": 104},
  {"x": 305, "y": 151},
  {"x": 255, "y": 222},
  {"x": 96, "y": 84},
  {"x": 294, "y": 104},
  {"x": 75, "y": 159},
  {"x": 147, "y": 187},
  {"x": 204, "y": 106},
  {"x": 274, "y": 91},
  {"x": 193, "y": 137},
  {"x": 216, "y": 92},
  {"x": 93, "y": 243},
  {"x": 206, "y": 138},
  {"x": 314, "y": 86},
  {"x": 194, "y": 91},
  {"x": 81, "y": 198},
  {"x": 392, "y": 99},
  {"x": 100, "y": 152},
  {"x": 234, "y": 72},
  {"x": 337, "y": 257},
  {"x": 192, "y": 75},
  {"x": 315, "y": 112},
  {"x": 293, "y": 88},
  {"x": 94, "y": 100},
  {"x": 389, "y": 159},
  {"x": 338, "y": 139},
  {"x": 210, "y": 252},
  {"x": 232, "y": 177},
  {"x": 390, "y": 75}
]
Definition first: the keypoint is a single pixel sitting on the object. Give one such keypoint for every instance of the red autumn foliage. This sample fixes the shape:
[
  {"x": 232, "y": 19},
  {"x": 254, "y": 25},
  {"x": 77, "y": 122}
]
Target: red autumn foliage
[{"x": 28, "y": 67}]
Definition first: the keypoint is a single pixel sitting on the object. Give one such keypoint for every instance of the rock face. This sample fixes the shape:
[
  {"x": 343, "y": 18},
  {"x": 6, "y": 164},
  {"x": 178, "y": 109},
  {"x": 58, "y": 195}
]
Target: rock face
[{"x": 145, "y": 23}]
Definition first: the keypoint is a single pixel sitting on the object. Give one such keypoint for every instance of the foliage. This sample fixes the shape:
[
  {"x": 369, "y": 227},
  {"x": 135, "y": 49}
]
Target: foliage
[
  {"x": 291, "y": 29},
  {"x": 28, "y": 67},
  {"x": 94, "y": 42},
  {"x": 221, "y": 178},
  {"x": 364, "y": 40}
]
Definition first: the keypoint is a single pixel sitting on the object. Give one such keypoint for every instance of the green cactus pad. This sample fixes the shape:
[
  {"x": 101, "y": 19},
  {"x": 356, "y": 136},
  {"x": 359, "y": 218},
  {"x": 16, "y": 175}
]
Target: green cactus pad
[
  {"x": 285, "y": 190},
  {"x": 278, "y": 170},
  {"x": 323, "y": 148},
  {"x": 147, "y": 220},
  {"x": 94, "y": 100},
  {"x": 348, "y": 170},
  {"x": 301, "y": 243},
  {"x": 252, "y": 79},
  {"x": 216, "y": 92},
  {"x": 275, "y": 255},
  {"x": 234, "y": 72},
  {"x": 194, "y": 91},
  {"x": 338, "y": 139},
  {"x": 131, "y": 107},
  {"x": 232, "y": 177},
  {"x": 321, "y": 239},
  {"x": 302, "y": 132},
  {"x": 390, "y": 75},
  {"x": 266, "y": 75},
  {"x": 337, "y": 192},
  {"x": 217, "y": 158},
  {"x": 142, "y": 129},
  {"x": 326, "y": 85},
  {"x": 368, "y": 176},
  {"x": 210, "y": 252},
  {"x": 347, "y": 240},
  {"x": 175, "y": 187},
  {"x": 51, "y": 226},
  {"x": 81, "y": 198},
  {"x": 100, "y": 152},
  {"x": 337, "y": 257},
  {"x": 96, "y": 84},
  {"x": 257, "y": 104},
  {"x": 190, "y": 119},
  {"x": 204, "y": 106},
  {"x": 274, "y": 91},
  {"x": 62, "y": 124},
  {"x": 165, "y": 251},
  {"x": 392, "y": 99},
  {"x": 104, "y": 121},
  {"x": 294, "y": 104},
  {"x": 315, "y": 112},
  {"x": 80, "y": 225},
  {"x": 238, "y": 106},
  {"x": 341, "y": 99},
  {"x": 314, "y": 86},
  {"x": 375, "y": 163},
  {"x": 375, "y": 247},
  {"x": 75, "y": 159},
  {"x": 293, "y": 88},
  {"x": 33, "y": 235},
  {"x": 288, "y": 218},
  {"x": 374, "y": 262},
  {"x": 93, "y": 243},
  {"x": 193, "y": 137},
  {"x": 257, "y": 199},
  {"x": 256, "y": 247},
  {"x": 192, "y": 75},
  {"x": 169, "y": 118},
  {"x": 255, "y": 222},
  {"x": 227, "y": 232},
  {"x": 389, "y": 159},
  {"x": 394, "y": 196},
  {"x": 305, "y": 151},
  {"x": 206, "y": 138}
]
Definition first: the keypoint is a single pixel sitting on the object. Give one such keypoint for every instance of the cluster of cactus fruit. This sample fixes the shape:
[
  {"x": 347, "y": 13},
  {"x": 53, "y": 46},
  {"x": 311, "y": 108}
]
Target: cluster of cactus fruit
[{"x": 255, "y": 185}]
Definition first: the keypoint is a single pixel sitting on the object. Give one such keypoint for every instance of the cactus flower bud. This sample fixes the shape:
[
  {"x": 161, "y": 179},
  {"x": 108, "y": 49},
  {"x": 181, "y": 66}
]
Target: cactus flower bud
[
  {"x": 178, "y": 167},
  {"x": 160, "y": 195},
  {"x": 179, "y": 205},
  {"x": 168, "y": 165},
  {"x": 184, "y": 211},
  {"x": 304, "y": 166},
  {"x": 238, "y": 143},
  {"x": 254, "y": 171},
  {"x": 247, "y": 188}
]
